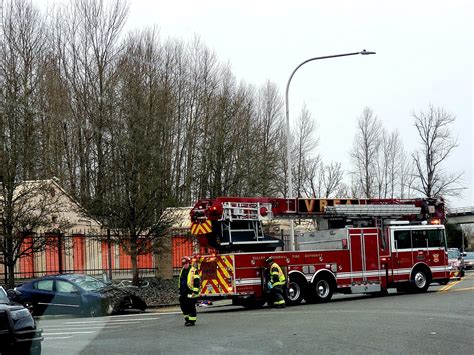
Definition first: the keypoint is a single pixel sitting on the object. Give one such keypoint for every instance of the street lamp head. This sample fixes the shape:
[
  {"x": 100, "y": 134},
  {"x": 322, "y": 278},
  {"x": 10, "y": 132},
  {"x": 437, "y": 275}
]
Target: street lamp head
[{"x": 364, "y": 52}]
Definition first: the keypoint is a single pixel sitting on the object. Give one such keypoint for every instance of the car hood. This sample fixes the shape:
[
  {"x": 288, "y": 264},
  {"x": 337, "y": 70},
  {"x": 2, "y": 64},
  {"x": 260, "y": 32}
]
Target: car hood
[
  {"x": 24, "y": 323},
  {"x": 11, "y": 306},
  {"x": 118, "y": 295},
  {"x": 113, "y": 290}
]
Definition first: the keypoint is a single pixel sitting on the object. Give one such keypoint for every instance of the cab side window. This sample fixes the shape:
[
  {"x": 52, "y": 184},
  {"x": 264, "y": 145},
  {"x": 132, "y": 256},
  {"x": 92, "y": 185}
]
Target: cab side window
[
  {"x": 403, "y": 239},
  {"x": 419, "y": 238},
  {"x": 436, "y": 238}
]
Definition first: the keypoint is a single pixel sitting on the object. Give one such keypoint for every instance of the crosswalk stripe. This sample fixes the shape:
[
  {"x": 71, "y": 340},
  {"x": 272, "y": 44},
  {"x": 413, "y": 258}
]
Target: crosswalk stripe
[
  {"x": 113, "y": 321},
  {"x": 48, "y": 328},
  {"x": 68, "y": 333}
]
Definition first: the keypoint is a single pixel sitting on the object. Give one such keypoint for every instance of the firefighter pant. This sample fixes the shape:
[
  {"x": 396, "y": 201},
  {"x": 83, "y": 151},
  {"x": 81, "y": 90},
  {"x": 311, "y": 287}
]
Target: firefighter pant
[
  {"x": 276, "y": 296},
  {"x": 188, "y": 307}
]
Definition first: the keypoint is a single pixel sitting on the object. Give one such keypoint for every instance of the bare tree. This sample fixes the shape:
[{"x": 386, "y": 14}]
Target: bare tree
[
  {"x": 25, "y": 207},
  {"x": 133, "y": 203},
  {"x": 387, "y": 170},
  {"x": 407, "y": 175},
  {"x": 365, "y": 150},
  {"x": 436, "y": 144},
  {"x": 332, "y": 180},
  {"x": 265, "y": 132},
  {"x": 28, "y": 208},
  {"x": 304, "y": 144}
]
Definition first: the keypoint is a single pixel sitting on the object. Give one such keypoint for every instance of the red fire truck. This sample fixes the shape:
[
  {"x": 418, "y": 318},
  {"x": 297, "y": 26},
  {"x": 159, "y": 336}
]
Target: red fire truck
[{"x": 360, "y": 246}]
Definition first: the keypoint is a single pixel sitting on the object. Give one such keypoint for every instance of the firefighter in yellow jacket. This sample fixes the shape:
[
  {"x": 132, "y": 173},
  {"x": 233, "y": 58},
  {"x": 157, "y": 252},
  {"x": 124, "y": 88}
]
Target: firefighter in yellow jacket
[
  {"x": 276, "y": 283},
  {"x": 189, "y": 283}
]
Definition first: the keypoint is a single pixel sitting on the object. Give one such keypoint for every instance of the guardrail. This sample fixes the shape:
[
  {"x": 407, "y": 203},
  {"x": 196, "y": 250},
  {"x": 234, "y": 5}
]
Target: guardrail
[{"x": 460, "y": 211}]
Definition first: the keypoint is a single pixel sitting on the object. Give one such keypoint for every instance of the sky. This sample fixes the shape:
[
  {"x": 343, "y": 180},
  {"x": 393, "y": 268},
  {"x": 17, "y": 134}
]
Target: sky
[{"x": 424, "y": 57}]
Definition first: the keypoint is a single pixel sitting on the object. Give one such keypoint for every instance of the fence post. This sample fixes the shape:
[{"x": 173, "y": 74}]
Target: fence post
[
  {"x": 60, "y": 253},
  {"x": 4, "y": 263},
  {"x": 109, "y": 254}
]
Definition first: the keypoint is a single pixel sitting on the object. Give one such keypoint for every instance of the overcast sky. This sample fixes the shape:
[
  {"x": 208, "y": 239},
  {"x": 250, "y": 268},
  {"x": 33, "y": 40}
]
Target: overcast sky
[{"x": 424, "y": 56}]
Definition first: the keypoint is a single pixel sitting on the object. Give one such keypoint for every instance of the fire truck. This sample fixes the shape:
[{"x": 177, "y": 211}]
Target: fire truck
[{"x": 360, "y": 246}]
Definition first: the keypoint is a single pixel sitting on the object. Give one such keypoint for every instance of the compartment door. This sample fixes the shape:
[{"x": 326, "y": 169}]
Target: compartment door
[{"x": 217, "y": 276}]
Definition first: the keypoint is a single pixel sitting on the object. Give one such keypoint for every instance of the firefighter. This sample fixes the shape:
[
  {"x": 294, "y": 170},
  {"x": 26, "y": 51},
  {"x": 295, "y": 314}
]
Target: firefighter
[
  {"x": 189, "y": 283},
  {"x": 276, "y": 282}
]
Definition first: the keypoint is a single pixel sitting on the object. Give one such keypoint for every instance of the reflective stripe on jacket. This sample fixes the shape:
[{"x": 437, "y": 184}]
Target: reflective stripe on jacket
[
  {"x": 193, "y": 280},
  {"x": 277, "y": 277}
]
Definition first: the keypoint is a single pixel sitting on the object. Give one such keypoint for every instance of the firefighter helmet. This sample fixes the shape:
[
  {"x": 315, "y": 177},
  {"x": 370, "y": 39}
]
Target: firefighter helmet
[
  {"x": 269, "y": 260},
  {"x": 186, "y": 259}
]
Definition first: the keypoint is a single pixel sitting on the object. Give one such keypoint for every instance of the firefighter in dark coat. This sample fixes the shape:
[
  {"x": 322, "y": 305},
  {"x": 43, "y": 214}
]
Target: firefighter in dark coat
[
  {"x": 189, "y": 283},
  {"x": 276, "y": 283}
]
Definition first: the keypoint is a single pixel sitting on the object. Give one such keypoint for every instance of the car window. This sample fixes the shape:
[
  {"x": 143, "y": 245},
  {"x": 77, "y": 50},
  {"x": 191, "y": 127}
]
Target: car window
[
  {"x": 64, "y": 286},
  {"x": 44, "y": 285},
  {"x": 89, "y": 283},
  {"x": 3, "y": 296}
]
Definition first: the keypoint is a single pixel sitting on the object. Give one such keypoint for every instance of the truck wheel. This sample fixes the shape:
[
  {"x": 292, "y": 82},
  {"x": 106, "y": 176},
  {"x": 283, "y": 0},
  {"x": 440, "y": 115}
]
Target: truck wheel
[
  {"x": 294, "y": 291},
  {"x": 420, "y": 280},
  {"x": 320, "y": 291}
]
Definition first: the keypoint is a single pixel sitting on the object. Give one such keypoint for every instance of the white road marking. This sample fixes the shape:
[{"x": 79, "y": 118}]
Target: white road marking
[
  {"x": 119, "y": 321},
  {"x": 142, "y": 314},
  {"x": 80, "y": 327},
  {"x": 68, "y": 333}
]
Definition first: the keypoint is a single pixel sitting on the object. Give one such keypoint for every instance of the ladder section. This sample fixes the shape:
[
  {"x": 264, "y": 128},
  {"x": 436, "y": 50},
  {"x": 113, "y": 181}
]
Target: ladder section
[
  {"x": 382, "y": 211},
  {"x": 243, "y": 219},
  {"x": 240, "y": 211}
]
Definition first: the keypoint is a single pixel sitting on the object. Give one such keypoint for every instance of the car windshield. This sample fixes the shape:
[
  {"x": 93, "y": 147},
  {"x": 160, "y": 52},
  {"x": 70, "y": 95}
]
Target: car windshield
[
  {"x": 452, "y": 254},
  {"x": 87, "y": 283},
  {"x": 3, "y": 296}
]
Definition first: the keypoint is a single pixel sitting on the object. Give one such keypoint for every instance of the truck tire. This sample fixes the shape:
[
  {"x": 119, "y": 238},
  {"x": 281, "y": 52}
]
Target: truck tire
[
  {"x": 294, "y": 291},
  {"x": 320, "y": 291},
  {"x": 420, "y": 280}
]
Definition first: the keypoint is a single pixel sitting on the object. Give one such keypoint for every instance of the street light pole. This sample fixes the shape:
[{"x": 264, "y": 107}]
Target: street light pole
[{"x": 288, "y": 148}]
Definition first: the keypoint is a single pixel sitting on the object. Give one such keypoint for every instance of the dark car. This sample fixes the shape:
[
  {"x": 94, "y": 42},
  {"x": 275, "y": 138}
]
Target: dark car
[
  {"x": 75, "y": 293},
  {"x": 18, "y": 332}
]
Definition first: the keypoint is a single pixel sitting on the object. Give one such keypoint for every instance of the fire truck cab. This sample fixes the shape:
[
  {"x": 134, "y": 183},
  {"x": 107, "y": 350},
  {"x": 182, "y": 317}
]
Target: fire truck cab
[{"x": 381, "y": 246}]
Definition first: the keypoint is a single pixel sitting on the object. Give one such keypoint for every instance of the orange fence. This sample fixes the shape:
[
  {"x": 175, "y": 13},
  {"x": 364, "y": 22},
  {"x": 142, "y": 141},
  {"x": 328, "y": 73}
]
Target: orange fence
[{"x": 82, "y": 254}]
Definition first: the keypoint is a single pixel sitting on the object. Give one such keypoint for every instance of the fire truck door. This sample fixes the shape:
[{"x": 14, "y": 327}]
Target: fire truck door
[{"x": 365, "y": 261}]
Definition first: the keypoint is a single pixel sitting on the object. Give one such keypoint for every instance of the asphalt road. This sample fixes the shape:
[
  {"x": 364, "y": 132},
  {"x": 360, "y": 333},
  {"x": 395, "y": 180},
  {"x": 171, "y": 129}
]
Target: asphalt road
[{"x": 438, "y": 322}]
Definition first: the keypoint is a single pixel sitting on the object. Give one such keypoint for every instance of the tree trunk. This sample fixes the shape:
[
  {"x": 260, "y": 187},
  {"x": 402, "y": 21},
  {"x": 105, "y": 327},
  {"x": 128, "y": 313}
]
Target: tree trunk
[{"x": 135, "y": 275}]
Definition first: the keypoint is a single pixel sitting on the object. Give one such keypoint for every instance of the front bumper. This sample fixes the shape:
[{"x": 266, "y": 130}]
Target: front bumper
[{"x": 11, "y": 338}]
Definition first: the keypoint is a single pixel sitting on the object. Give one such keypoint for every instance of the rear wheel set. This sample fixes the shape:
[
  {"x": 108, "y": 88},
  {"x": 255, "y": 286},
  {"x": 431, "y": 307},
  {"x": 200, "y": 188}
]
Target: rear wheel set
[{"x": 320, "y": 291}]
